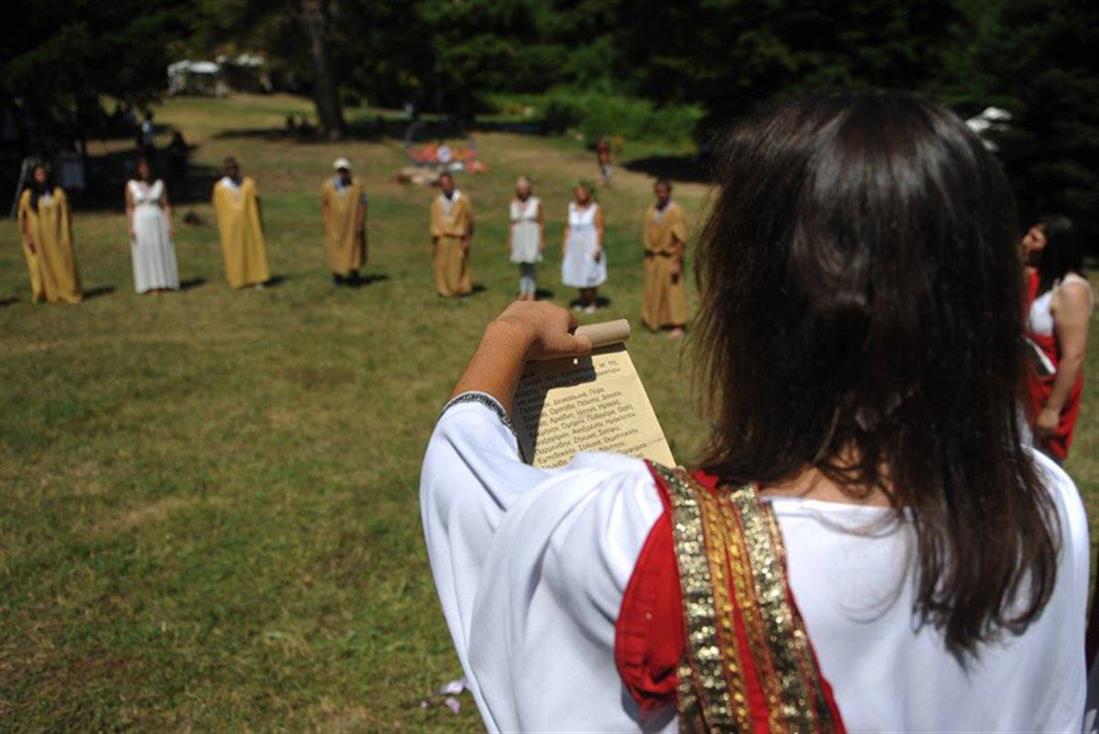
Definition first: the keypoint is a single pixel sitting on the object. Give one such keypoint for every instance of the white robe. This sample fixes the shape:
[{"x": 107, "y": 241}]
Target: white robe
[
  {"x": 531, "y": 565},
  {"x": 154, "y": 255}
]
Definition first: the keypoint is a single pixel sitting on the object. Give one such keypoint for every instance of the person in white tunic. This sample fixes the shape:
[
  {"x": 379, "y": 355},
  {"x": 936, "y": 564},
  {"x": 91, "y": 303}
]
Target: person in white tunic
[
  {"x": 584, "y": 265},
  {"x": 150, "y": 216},
  {"x": 526, "y": 241},
  {"x": 864, "y": 461}
]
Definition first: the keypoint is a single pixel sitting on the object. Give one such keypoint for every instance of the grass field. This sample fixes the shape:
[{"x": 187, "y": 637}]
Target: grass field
[{"x": 208, "y": 510}]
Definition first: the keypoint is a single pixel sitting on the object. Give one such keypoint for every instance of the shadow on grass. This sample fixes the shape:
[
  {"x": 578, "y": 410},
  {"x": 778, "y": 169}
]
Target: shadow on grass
[
  {"x": 684, "y": 168},
  {"x": 368, "y": 279},
  {"x": 543, "y": 294},
  {"x": 600, "y": 302},
  {"x": 190, "y": 283},
  {"x": 8, "y": 301},
  {"x": 99, "y": 290},
  {"x": 374, "y": 128}
]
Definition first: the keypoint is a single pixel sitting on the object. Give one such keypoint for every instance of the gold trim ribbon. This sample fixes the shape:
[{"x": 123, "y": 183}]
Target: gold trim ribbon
[{"x": 747, "y": 658}]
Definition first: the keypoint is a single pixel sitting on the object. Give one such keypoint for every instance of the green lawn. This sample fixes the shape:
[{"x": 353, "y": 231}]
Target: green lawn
[{"x": 209, "y": 515}]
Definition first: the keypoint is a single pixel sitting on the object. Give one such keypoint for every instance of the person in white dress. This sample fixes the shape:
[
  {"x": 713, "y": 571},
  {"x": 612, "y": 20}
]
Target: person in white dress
[
  {"x": 526, "y": 241},
  {"x": 584, "y": 265},
  {"x": 150, "y": 217},
  {"x": 866, "y": 448}
]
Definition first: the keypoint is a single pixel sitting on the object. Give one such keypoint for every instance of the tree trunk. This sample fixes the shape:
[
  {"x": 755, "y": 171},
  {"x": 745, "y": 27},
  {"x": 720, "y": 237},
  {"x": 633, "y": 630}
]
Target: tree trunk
[{"x": 325, "y": 90}]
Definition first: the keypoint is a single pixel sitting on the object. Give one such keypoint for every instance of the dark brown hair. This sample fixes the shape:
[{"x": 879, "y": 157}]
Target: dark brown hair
[{"x": 860, "y": 284}]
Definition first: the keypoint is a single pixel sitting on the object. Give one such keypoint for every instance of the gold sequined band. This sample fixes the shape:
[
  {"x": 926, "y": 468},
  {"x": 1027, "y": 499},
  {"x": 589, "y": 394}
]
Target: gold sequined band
[{"x": 731, "y": 564}]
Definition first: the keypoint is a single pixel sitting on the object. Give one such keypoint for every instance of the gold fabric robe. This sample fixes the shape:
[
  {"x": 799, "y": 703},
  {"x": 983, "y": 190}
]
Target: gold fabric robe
[
  {"x": 451, "y": 259},
  {"x": 241, "y": 231},
  {"x": 344, "y": 240},
  {"x": 664, "y": 302},
  {"x": 52, "y": 264}
]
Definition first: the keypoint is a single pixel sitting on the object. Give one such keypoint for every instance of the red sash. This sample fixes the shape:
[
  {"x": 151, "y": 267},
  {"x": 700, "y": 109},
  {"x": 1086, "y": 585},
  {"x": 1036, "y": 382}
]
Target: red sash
[{"x": 708, "y": 620}]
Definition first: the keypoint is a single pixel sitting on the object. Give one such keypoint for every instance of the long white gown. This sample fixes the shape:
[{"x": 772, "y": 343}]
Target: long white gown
[
  {"x": 154, "y": 256},
  {"x": 531, "y": 566},
  {"x": 579, "y": 268}
]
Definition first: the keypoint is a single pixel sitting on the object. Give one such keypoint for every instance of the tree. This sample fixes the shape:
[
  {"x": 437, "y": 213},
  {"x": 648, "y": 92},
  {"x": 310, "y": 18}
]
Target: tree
[
  {"x": 60, "y": 59},
  {"x": 316, "y": 17},
  {"x": 731, "y": 54},
  {"x": 1043, "y": 68}
]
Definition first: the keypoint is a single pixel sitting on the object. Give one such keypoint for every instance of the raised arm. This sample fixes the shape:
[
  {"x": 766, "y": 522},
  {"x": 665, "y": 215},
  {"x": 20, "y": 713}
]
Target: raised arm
[{"x": 526, "y": 330}]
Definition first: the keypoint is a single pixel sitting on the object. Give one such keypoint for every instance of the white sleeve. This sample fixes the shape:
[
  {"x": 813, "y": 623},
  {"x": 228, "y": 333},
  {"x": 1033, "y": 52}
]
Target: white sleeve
[{"x": 530, "y": 565}]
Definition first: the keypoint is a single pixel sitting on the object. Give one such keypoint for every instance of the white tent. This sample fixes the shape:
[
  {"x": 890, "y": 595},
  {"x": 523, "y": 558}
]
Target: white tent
[
  {"x": 194, "y": 77},
  {"x": 989, "y": 119}
]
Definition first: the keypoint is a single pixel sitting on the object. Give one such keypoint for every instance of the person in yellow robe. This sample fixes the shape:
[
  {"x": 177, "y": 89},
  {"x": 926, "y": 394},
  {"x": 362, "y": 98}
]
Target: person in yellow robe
[
  {"x": 240, "y": 225},
  {"x": 343, "y": 204},
  {"x": 664, "y": 305},
  {"x": 451, "y": 233},
  {"x": 45, "y": 227}
]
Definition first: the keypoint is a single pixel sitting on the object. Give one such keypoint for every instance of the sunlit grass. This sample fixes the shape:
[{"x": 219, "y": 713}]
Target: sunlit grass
[{"x": 209, "y": 516}]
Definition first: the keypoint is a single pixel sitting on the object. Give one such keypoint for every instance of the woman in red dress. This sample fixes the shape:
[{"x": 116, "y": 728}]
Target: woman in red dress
[{"x": 1060, "y": 303}]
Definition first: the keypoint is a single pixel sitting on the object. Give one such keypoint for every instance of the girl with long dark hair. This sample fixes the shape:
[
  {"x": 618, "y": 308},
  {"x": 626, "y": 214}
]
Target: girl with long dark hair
[
  {"x": 868, "y": 543},
  {"x": 1060, "y": 304}
]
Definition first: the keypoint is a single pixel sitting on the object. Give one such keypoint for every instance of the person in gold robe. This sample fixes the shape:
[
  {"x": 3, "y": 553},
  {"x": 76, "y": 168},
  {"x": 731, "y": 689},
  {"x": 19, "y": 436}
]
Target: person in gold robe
[
  {"x": 240, "y": 225},
  {"x": 343, "y": 204},
  {"x": 45, "y": 228},
  {"x": 664, "y": 305},
  {"x": 451, "y": 232}
]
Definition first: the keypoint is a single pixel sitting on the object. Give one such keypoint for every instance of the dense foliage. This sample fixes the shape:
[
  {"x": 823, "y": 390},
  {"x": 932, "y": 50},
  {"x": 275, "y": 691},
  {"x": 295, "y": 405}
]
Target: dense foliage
[{"x": 1034, "y": 58}]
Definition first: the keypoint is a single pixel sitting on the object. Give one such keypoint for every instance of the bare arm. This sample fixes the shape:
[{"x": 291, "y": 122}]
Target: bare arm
[
  {"x": 1070, "y": 318},
  {"x": 530, "y": 330},
  {"x": 541, "y": 229},
  {"x": 129, "y": 210},
  {"x": 598, "y": 234},
  {"x": 166, "y": 205}
]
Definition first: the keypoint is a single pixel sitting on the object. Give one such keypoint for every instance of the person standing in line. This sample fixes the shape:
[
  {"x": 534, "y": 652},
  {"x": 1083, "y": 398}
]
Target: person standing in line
[
  {"x": 451, "y": 235},
  {"x": 343, "y": 204},
  {"x": 583, "y": 265},
  {"x": 1061, "y": 302},
  {"x": 45, "y": 227},
  {"x": 527, "y": 236},
  {"x": 664, "y": 304},
  {"x": 240, "y": 226},
  {"x": 149, "y": 214}
]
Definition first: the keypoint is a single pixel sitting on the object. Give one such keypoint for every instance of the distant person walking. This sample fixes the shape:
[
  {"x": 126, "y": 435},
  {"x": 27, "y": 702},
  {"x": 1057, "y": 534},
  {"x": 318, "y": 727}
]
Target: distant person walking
[
  {"x": 603, "y": 159},
  {"x": 451, "y": 235},
  {"x": 178, "y": 153},
  {"x": 149, "y": 214},
  {"x": 1061, "y": 302},
  {"x": 240, "y": 224},
  {"x": 664, "y": 305},
  {"x": 526, "y": 241},
  {"x": 584, "y": 266},
  {"x": 45, "y": 227},
  {"x": 147, "y": 136},
  {"x": 343, "y": 204}
]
